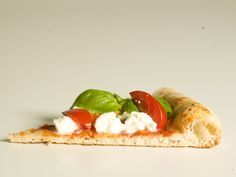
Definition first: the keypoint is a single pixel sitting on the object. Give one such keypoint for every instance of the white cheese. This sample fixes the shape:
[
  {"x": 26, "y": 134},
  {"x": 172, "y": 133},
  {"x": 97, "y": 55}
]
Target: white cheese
[
  {"x": 110, "y": 123},
  {"x": 65, "y": 125},
  {"x": 139, "y": 121}
]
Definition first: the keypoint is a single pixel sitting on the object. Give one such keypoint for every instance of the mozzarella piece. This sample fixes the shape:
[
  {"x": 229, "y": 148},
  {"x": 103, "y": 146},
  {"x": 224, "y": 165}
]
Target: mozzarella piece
[
  {"x": 65, "y": 125},
  {"x": 139, "y": 121},
  {"x": 109, "y": 123}
]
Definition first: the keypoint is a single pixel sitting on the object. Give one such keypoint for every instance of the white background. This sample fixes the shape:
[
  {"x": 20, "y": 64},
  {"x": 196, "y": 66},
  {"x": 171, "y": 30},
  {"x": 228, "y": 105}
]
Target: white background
[{"x": 50, "y": 51}]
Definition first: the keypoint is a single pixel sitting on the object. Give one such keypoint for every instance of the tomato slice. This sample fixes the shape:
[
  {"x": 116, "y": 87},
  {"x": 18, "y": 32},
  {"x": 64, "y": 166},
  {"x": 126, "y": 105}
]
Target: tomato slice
[
  {"x": 81, "y": 117},
  {"x": 148, "y": 104}
]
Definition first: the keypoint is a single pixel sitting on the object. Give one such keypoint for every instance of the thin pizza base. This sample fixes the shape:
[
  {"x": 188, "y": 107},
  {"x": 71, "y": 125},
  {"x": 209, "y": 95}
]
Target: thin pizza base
[
  {"x": 193, "y": 125},
  {"x": 164, "y": 139}
]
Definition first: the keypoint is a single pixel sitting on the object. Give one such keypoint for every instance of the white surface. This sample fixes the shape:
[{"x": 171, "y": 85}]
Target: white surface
[{"x": 50, "y": 51}]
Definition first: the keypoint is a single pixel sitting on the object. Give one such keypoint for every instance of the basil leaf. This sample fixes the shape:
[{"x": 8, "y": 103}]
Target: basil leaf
[
  {"x": 128, "y": 106},
  {"x": 118, "y": 98},
  {"x": 97, "y": 101},
  {"x": 165, "y": 105}
]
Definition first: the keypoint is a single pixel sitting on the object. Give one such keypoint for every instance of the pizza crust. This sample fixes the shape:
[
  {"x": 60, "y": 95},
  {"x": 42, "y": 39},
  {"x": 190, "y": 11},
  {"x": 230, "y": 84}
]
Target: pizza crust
[
  {"x": 193, "y": 125},
  {"x": 175, "y": 139},
  {"x": 192, "y": 117}
]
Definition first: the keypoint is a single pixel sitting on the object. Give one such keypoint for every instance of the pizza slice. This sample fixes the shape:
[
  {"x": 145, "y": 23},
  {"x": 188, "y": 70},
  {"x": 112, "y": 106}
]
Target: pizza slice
[{"x": 166, "y": 118}]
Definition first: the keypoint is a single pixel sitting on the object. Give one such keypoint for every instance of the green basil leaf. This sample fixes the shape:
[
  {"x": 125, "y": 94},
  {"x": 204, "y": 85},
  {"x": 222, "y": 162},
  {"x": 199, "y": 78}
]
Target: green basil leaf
[
  {"x": 128, "y": 106},
  {"x": 165, "y": 105},
  {"x": 97, "y": 101},
  {"x": 118, "y": 98}
]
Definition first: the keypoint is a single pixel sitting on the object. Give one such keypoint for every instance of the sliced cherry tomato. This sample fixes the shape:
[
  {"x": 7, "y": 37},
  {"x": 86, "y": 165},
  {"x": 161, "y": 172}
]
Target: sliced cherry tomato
[
  {"x": 148, "y": 104},
  {"x": 81, "y": 117}
]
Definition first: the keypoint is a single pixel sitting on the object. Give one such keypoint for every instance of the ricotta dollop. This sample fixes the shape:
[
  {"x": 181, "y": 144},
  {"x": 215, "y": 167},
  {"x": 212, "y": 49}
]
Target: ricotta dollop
[
  {"x": 65, "y": 125},
  {"x": 133, "y": 122},
  {"x": 109, "y": 123}
]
